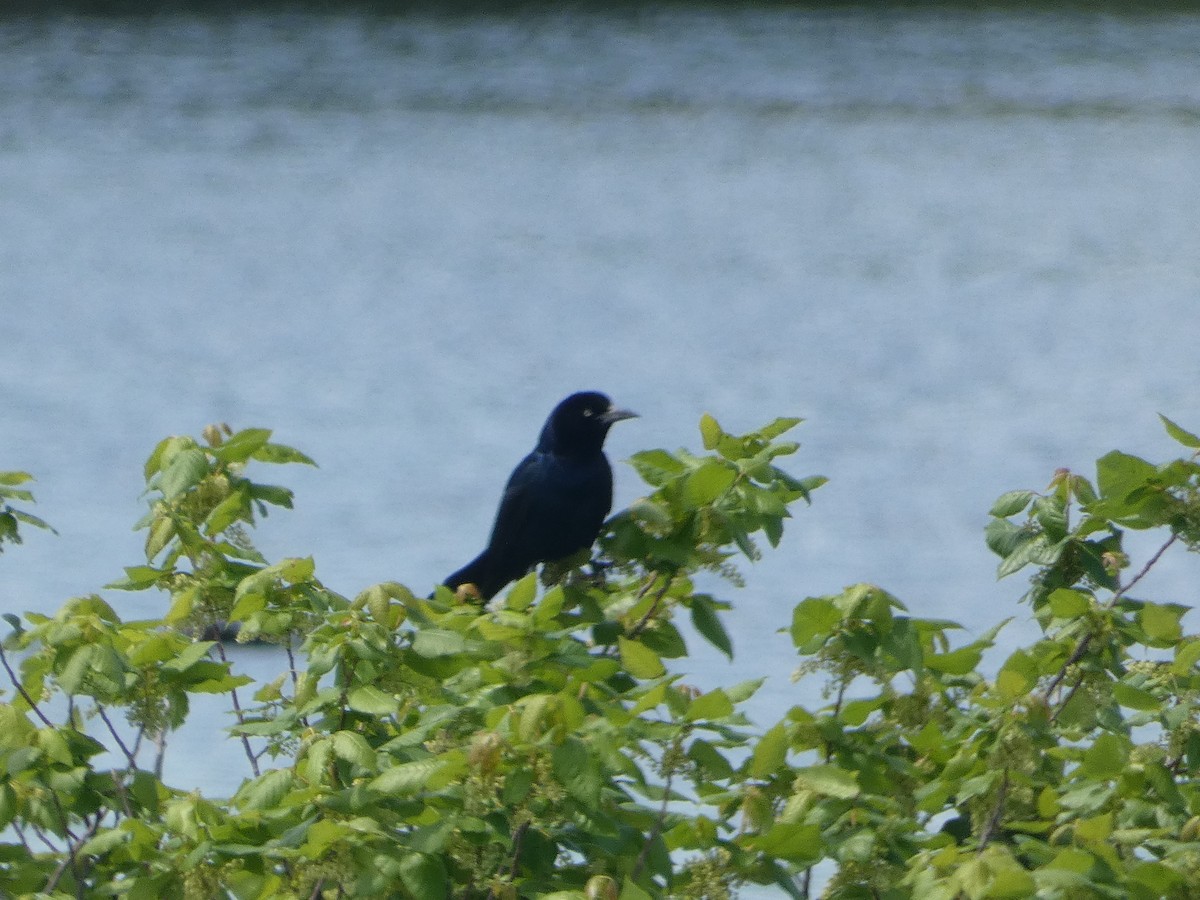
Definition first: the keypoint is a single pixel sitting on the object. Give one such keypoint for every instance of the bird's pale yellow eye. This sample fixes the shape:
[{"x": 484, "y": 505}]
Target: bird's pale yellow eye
[{"x": 587, "y": 412}]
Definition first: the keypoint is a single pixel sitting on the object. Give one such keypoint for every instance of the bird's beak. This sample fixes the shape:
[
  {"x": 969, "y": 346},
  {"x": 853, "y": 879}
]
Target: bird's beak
[{"x": 616, "y": 415}]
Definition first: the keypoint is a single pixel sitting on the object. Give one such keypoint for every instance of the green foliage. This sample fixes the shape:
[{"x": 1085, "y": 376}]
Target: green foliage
[
  {"x": 10, "y": 516},
  {"x": 545, "y": 746}
]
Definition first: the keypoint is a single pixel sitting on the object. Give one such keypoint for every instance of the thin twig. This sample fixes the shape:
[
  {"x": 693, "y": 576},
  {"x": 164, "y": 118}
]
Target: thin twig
[
  {"x": 514, "y": 863},
  {"x": 291, "y": 657},
  {"x": 806, "y": 886},
  {"x": 45, "y": 840},
  {"x": 69, "y": 860},
  {"x": 1142, "y": 574},
  {"x": 241, "y": 718},
  {"x": 117, "y": 737},
  {"x": 993, "y": 822},
  {"x": 658, "y": 826},
  {"x": 1076, "y": 656},
  {"x": 62, "y": 817},
  {"x": 645, "y": 620},
  {"x": 160, "y": 741},
  {"x": 12, "y": 676},
  {"x": 649, "y": 584},
  {"x": 122, "y": 795},
  {"x": 1086, "y": 640},
  {"x": 21, "y": 836},
  {"x": 72, "y": 843},
  {"x": 344, "y": 697}
]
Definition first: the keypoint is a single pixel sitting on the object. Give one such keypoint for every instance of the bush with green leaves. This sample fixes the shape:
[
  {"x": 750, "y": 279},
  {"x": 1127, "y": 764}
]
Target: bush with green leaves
[{"x": 549, "y": 744}]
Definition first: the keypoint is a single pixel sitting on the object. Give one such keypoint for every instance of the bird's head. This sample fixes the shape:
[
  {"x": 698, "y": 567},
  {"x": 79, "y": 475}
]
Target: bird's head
[{"x": 579, "y": 424}]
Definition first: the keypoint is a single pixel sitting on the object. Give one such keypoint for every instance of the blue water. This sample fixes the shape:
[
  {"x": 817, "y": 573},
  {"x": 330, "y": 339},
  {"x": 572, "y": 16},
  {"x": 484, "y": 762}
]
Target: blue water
[{"x": 964, "y": 246}]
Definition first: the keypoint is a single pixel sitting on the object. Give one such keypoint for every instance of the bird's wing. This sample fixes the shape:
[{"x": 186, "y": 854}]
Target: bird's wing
[{"x": 518, "y": 503}]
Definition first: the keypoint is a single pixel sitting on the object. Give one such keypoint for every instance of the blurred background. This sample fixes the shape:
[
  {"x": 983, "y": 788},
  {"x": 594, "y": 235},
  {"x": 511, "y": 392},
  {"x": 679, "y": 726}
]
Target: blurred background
[{"x": 963, "y": 243}]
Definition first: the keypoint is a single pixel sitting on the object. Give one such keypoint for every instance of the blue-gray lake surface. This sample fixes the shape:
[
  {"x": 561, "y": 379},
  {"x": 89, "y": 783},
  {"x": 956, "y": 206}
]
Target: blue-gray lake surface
[{"x": 964, "y": 246}]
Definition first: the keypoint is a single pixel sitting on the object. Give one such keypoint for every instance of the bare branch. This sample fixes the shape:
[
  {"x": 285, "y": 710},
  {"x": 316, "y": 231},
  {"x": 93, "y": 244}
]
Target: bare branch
[
  {"x": 237, "y": 711},
  {"x": 1121, "y": 592},
  {"x": 993, "y": 822},
  {"x": 1086, "y": 641},
  {"x": 12, "y": 676},
  {"x": 129, "y": 754},
  {"x": 69, "y": 861},
  {"x": 645, "y": 620},
  {"x": 662, "y": 813}
]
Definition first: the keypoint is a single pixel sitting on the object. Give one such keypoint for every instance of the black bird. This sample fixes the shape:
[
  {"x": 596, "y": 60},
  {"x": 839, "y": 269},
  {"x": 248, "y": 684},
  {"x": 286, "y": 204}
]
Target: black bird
[{"x": 556, "y": 498}]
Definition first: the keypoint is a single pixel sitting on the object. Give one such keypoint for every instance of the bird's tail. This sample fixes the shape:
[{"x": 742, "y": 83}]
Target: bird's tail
[{"x": 480, "y": 572}]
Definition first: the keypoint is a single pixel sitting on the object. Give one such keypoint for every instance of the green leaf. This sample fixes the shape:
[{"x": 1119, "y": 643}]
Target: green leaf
[
  {"x": 714, "y": 764},
  {"x": 1130, "y": 491},
  {"x": 813, "y": 618},
  {"x": 353, "y": 748},
  {"x": 280, "y": 453},
  {"x": 651, "y": 515},
  {"x": 372, "y": 701},
  {"x": 153, "y": 648},
  {"x": 189, "y": 656},
  {"x": 1160, "y": 621},
  {"x": 32, "y": 520},
  {"x": 1068, "y": 604},
  {"x": 665, "y": 640},
  {"x": 792, "y": 842},
  {"x": 713, "y": 705},
  {"x": 266, "y": 791},
  {"x": 435, "y": 642},
  {"x": 1095, "y": 828},
  {"x": 830, "y": 780},
  {"x": 241, "y": 446},
  {"x": 186, "y": 470},
  {"x": 1018, "y": 675},
  {"x": 161, "y": 533},
  {"x": 707, "y": 483},
  {"x": 710, "y": 432},
  {"x": 630, "y": 891},
  {"x": 656, "y": 467},
  {"x": 272, "y": 493},
  {"x": 424, "y": 876},
  {"x": 1034, "y": 548},
  {"x": 1106, "y": 758},
  {"x": 295, "y": 569},
  {"x": 779, "y": 426},
  {"x": 1134, "y": 698},
  {"x": 1003, "y": 537},
  {"x": 1011, "y": 503},
  {"x": 1160, "y": 880},
  {"x": 522, "y": 594},
  {"x": 408, "y": 778},
  {"x": 639, "y": 660},
  {"x": 770, "y": 753},
  {"x": 136, "y": 578},
  {"x": 1184, "y": 437},
  {"x": 225, "y": 513},
  {"x": 1010, "y": 882},
  {"x": 1187, "y": 654},
  {"x": 956, "y": 662},
  {"x": 709, "y": 625}
]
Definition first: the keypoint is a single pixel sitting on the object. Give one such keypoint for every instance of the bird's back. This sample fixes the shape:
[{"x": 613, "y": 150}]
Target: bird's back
[{"x": 552, "y": 507}]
